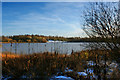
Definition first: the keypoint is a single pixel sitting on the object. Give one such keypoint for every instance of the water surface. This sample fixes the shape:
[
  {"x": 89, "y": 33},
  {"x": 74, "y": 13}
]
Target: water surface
[{"x": 28, "y": 48}]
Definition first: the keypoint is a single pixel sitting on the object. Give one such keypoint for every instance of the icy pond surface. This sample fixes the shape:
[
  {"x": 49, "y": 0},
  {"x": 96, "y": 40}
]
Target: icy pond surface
[{"x": 27, "y": 48}]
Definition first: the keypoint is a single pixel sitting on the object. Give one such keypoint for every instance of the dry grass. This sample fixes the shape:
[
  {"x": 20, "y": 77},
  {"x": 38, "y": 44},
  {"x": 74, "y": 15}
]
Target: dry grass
[
  {"x": 42, "y": 65},
  {"x": 9, "y": 56},
  {"x": 47, "y": 64}
]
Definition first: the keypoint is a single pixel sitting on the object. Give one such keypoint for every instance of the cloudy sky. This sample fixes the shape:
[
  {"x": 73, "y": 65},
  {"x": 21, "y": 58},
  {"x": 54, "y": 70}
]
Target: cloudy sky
[{"x": 43, "y": 18}]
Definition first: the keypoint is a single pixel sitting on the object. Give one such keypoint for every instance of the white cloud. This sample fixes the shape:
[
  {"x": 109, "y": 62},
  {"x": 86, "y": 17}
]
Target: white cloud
[{"x": 77, "y": 30}]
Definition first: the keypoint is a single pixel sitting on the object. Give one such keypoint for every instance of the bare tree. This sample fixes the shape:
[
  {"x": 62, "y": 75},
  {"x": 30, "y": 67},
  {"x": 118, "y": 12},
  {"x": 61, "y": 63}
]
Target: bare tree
[{"x": 103, "y": 20}]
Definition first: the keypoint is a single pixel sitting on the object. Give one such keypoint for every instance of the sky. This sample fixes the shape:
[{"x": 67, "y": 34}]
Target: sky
[
  {"x": 43, "y": 18},
  {"x": 59, "y": 0}
]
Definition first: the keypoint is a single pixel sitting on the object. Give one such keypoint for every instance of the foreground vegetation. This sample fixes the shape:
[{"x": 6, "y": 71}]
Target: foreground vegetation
[{"x": 46, "y": 65}]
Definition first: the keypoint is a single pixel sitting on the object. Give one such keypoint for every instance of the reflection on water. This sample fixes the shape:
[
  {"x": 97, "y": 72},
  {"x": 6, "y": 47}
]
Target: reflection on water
[{"x": 59, "y": 47}]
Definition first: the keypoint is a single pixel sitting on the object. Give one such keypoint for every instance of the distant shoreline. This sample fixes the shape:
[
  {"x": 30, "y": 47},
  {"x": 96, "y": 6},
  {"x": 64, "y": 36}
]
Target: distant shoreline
[
  {"x": 23, "y": 42},
  {"x": 53, "y": 42}
]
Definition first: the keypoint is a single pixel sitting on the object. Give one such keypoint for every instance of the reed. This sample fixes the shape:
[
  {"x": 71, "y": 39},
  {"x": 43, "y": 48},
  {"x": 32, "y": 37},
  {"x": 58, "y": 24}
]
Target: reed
[{"x": 45, "y": 65}]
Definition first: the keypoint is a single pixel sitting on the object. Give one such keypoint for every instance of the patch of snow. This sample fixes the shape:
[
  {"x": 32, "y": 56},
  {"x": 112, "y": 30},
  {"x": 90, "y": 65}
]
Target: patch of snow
[
  {"x": 82, "y": 73},
  {"x": 54, "y": 41},
  {"x": 113, "y": 65},
  {"x": 61, "y": 78},
  {"x": 6, "y": 78},
  {"x": 50, "y": 40},
  {"x": 91, "y": 63},
  {"x": 89, "y": 70},
  {"x": 68, "y": 70},
  {"x": 23, "y": 76}
]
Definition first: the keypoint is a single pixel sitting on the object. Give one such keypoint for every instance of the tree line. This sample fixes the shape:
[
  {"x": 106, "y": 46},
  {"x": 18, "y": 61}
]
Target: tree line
[
  {"x": 43, "y": 39},
  {"x": 31, "y": 38}
]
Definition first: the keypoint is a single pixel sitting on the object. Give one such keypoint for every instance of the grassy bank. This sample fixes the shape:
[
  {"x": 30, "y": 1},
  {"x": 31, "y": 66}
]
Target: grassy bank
[{"x": 45, "y": 65}]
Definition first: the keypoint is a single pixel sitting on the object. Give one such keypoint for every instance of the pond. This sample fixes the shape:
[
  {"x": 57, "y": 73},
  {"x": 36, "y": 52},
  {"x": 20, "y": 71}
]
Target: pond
[{"x": 28, "y": 48}]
